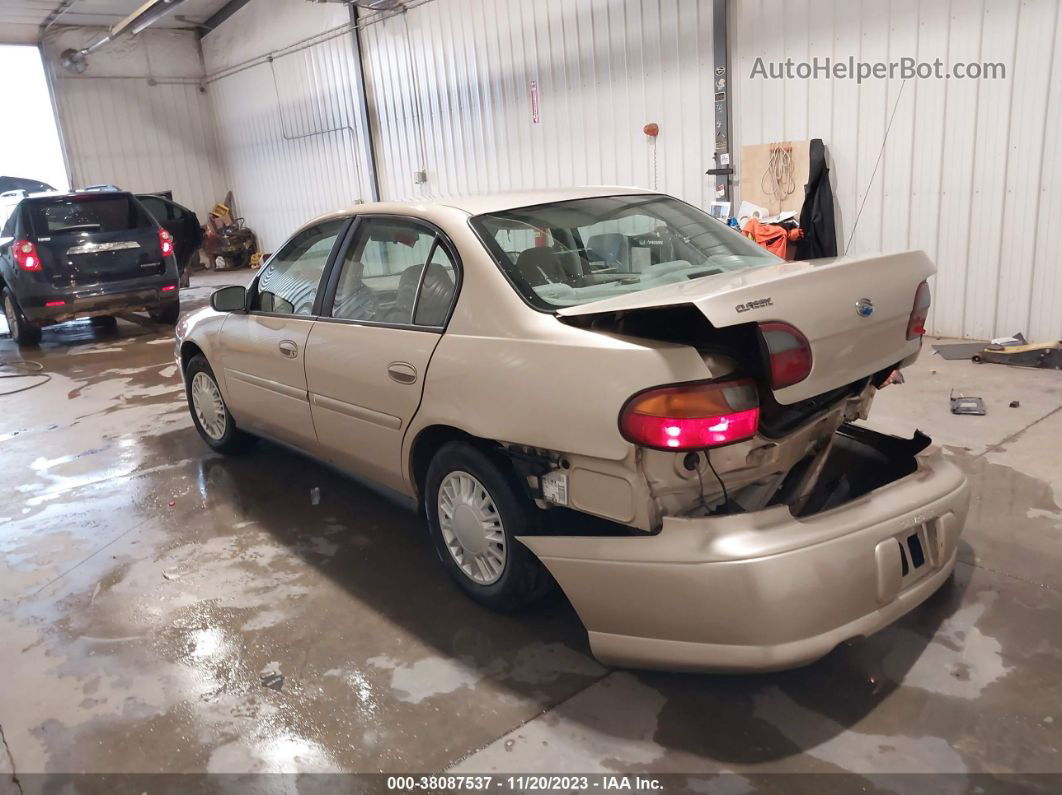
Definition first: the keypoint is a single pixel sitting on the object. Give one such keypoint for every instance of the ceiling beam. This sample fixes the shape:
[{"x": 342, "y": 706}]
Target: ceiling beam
[{"x": 223, "y": 13}]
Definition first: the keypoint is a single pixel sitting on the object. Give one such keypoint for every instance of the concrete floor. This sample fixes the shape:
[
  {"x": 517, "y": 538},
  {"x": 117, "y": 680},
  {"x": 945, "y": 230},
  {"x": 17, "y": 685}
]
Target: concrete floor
[{"x": 147, "y": 586}]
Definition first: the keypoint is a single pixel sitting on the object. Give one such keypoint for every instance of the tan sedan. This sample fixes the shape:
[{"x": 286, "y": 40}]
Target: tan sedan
[{"x": 609, "y": 389}]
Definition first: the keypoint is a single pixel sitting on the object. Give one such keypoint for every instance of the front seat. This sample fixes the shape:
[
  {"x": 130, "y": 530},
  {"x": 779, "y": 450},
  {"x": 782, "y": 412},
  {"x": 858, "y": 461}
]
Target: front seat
[
  {"x": 402, "y": 311},
  {"x": 435, "y": 296}
]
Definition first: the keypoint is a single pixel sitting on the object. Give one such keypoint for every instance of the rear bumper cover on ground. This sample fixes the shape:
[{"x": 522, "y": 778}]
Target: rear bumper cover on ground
[{"x": 763, "y": 591}]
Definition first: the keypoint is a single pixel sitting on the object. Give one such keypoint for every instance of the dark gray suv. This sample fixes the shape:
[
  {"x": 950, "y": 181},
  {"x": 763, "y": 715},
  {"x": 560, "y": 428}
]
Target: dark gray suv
[{"x": 73, "y": 255}]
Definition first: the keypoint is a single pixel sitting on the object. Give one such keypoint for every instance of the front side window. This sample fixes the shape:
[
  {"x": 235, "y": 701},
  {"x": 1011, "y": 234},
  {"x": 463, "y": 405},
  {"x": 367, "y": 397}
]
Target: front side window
[
  {"x": 574, "y": 252},
  {"x": 381, "y": 274},
  {"x": 162, "y": 210},
  {"x": 288, "y": 284}
]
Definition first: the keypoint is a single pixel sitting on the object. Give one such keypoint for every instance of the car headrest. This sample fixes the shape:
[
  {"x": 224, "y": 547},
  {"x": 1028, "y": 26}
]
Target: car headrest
[
  {"x": 539, "y": 265},
  {"x": 608, "y": 247}
]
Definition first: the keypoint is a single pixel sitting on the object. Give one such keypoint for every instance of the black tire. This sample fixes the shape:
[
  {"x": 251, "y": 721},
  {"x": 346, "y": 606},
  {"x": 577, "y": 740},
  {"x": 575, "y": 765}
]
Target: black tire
[
  {"x": 104, "y": 321},
  {"x": 168, "y": 314},
  {"x": 22, "y": 331},
  {"x": 232, "y": 441},
  {"x": 523, "y": 580}
]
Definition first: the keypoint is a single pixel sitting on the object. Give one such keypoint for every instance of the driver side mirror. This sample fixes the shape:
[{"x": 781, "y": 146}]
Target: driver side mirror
[{"x": 229, "y": 299}]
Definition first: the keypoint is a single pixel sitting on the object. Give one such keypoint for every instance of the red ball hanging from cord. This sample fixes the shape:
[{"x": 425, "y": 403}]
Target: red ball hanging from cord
[{"x": 652, "y": 129}]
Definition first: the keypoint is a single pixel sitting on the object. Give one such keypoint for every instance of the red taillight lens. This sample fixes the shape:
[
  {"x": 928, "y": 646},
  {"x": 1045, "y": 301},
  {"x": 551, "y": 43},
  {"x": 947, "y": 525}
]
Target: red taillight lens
[
  {"x": 168, "y": 288},
  {"x": 789, "y": 353},
  {"x": 916, "y": 326},
  {"x": 165, "y": 242},
  {"x": 692, "y": 416},
  {"x": 26, "y": 255}
]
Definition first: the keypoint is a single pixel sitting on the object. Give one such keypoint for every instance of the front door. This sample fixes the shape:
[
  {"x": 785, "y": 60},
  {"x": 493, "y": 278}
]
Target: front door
[
  {"x": 263, "y": 351},
  {"x": 367, "y": 356}
]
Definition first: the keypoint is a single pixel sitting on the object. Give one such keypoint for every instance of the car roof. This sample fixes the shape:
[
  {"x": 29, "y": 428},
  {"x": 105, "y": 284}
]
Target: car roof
[
  {"x": 491, "y": 202},
  {"x": 71, "y": 194},
  {"x": 498, "y": 202}
]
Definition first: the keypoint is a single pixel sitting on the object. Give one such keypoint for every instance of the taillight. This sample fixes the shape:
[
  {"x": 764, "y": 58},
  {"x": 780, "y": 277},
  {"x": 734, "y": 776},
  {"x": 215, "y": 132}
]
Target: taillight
[
  {"x": 165, "y": 242},
  {"x": 26, "y": 255},
  {"x": 692, "y": 416},
  {"x": 789, "y": 353},
  {"x": 916, "y": 326}
]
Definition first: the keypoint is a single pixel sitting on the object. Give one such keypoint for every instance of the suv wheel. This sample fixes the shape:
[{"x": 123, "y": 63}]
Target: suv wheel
[
  {"x": 475, "y": 512},
  {"x": 22, "y": 331},
  {"x": 209, "y": 412},
  {"x": 168, "y": 314}
]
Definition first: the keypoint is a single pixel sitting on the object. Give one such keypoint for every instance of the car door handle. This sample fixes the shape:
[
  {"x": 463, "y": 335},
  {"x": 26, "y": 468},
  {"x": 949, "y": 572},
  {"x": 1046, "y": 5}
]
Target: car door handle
[
  {"x": 402, "y": 373},
  {"x": 289, "y": 349}
]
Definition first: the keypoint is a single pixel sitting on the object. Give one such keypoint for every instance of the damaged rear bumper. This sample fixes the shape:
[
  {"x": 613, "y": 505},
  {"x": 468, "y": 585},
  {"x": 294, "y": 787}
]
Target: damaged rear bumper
[{"x": 764, "y": 590}]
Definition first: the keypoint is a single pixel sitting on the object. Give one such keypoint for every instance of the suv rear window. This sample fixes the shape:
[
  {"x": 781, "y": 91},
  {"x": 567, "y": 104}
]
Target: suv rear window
[{"x": 89, "y": 214}]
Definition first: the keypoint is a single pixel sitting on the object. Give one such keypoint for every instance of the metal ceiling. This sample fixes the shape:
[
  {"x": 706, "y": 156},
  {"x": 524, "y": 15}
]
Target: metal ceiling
[{"x": 98, "y": 13}]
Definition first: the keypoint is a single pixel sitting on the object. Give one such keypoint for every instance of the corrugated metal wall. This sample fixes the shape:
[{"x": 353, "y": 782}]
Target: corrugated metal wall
[
  {"x": 120, "y": 128},
  {"x": 289, "y": 127},
  {"x": 972, "y": 170},
  {"x": 450, "y": 94}
]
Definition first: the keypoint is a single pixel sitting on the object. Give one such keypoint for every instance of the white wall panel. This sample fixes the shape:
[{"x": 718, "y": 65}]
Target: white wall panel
[
  {"x": 450, "y": 94},
  {"x": 972, "y": 170},
  {"x": 288, "y": 127},
  {"x": 138, "y": 117}
]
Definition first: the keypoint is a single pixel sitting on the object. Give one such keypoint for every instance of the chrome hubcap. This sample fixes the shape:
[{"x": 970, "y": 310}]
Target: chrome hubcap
[
  {"x": 208, "y": 406},
  {"x": 472, "y": 528}
]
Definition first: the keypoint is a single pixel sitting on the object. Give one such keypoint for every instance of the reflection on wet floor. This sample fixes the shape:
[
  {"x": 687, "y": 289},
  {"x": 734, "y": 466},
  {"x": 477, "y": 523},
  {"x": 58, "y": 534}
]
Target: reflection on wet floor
[{"x": 167, "y": 609}]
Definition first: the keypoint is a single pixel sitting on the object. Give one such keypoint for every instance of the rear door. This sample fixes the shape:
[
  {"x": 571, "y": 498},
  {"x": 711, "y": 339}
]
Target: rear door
[
  {"x": 94, "y": 237},
  {"x": 179, "y": 221},
  {"x": 262, "y": 352},
  {"x": 368, "y": 354}
]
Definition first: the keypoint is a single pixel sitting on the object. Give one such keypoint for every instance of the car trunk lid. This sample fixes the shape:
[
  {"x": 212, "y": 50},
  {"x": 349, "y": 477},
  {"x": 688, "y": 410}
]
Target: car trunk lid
[
  {"x": 854, "y": 312},
  {"x": 91, "y": 239}
]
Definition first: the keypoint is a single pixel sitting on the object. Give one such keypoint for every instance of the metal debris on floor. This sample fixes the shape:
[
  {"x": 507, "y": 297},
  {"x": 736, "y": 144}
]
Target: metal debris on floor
[{"x": 964, "y": 404}]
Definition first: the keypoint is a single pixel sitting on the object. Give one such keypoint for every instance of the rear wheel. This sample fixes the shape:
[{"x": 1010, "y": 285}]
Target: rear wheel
[
  {"x": 475, "y": 513},
  {"x": 210, "y": 415},
  {"x": 21, "y": 330},
  {"x": 167, "y": 314},
  {"x": 104, "y": 321}
]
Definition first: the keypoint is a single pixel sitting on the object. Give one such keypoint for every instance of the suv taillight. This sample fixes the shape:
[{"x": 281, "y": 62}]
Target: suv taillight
[
  {"x": 789, "y": 353},
  {"x": 692, "y": 416},
  {"x": 26, "y": 255},
  {"x": 165, "y": 242},
  {"x": 916, "y": 325}
]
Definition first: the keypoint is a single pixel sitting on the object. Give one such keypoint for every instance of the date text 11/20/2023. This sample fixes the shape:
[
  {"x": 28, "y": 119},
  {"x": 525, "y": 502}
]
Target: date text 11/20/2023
[{"x": 523, "y": 783}]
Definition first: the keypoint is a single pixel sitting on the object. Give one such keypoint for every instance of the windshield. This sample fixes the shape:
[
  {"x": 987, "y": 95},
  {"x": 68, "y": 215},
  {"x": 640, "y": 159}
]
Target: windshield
[{"x": 574, "y": 252}]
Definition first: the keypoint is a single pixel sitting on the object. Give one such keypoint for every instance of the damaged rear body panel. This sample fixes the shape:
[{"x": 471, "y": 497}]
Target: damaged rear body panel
[{"x": 771, "y": 589}]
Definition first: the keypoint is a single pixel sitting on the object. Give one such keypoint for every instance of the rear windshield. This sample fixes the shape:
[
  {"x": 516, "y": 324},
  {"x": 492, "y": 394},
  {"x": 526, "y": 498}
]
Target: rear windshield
[
  {"x": 89, "y": 214},
  {"x": 574, "y": 252}
]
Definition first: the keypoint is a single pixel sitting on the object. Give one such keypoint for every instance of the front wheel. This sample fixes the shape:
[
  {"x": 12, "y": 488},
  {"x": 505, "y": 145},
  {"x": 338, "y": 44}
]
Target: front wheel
[
  {"x": 475, "y": 513},
  {"x": 209, "y": 413},
  {"x": 21, "y": 330}
]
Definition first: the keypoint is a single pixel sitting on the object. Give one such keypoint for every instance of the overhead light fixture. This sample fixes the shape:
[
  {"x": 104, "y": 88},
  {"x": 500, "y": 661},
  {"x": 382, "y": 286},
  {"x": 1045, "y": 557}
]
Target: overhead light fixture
[{"x": 148, "y": 14}]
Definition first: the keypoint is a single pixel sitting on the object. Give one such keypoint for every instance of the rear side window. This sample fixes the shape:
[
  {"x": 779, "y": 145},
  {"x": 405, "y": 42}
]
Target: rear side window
[{"x": 113, "y": 213}]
